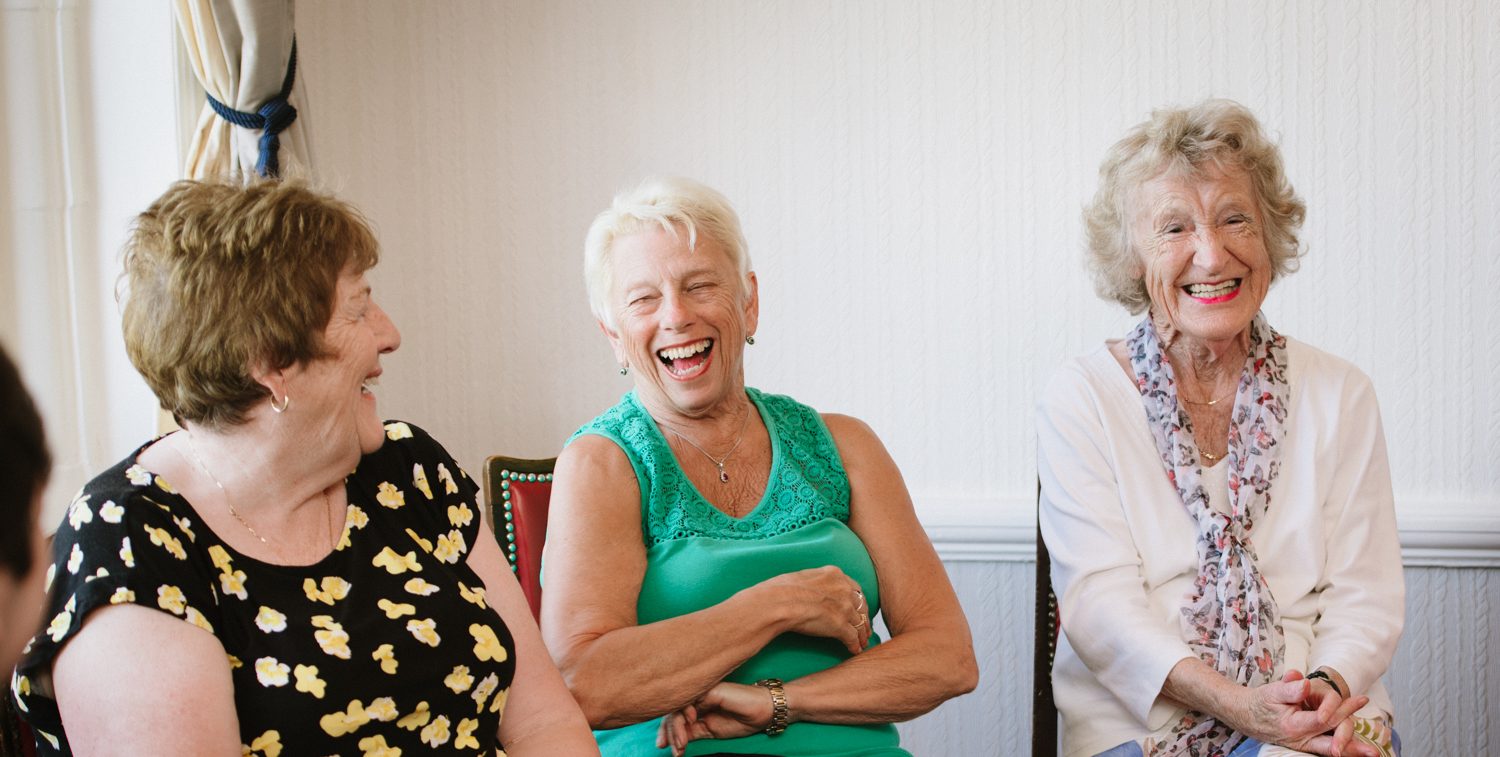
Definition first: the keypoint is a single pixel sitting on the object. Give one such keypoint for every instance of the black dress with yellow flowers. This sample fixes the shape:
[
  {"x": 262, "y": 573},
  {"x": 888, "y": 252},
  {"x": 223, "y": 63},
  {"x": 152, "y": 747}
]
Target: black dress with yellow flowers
[{"x": 386, "y": 644}]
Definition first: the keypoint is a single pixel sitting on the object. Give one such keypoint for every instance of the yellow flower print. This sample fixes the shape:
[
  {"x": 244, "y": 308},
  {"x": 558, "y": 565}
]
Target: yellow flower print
[
  {"x": 416, "y": 718},
  {"x": 185, "y": 526},
  {"x": 100, "y": 573},
  {"x": 138, "y": 475},
  {"x": 79, "y": 513},
  {"x": 122, "y": 596},
  {"x": 390, "y": 496},
  {"x": 110, "y": 512},
  {"x": 270, "y": 672},
  {"x": 235, "y": 663},
  {"x": 425, "y": 544},
  {"x": 420, "y": 587},
  {"x": 486, "y": 645},
  {"x": 308, "y": 681},
  {"x": 483, "y": 691},
  {"x": 170, "y": 597},
  {"x": 161, "y": 538},
  {"x": 419, "y": 480},
  {"x": 397, "y": 431},
  {"x": 60, "y": 624},
  {"x": 447, "y": 478},
  {"x": 465, "y": 738},
  {"x": 356, "y": 517},
  {"x": 220, "y": 557},
  {"x": 162, "y": 484},
  {"x": 450, "y": 547},
  {"x": 460, "y": 515},
  {"x": 396, "y": 563},
  {"x": 75, "y": 559},
  {"x": 382, "y": 709},
  {"x": 344, "y": 541},
  {"x": 269, "y": 620},
  {"x": 197, "y": 619},
  {"x": 50, "y": 739},
  {"x": 459, "y": 680},
  {"x": 338, "y": 724},
  {"x": 332, "y": 590},
  {"x": 498, "y": 703},
  {"x": 268, "y": 744},
  {"x": 474, "y": 595},
  {"x": 436, "y": 733},
  {"x": 386, "y": 655},
  {"x": 395, "y": 610},
  {"x": 126, "y": 553},
  {"x": 333, "y": 638},
  {"x": 375, "y": 746},
  {"x": 234, "y": 583},
  {"x": 22, "y": 686},
  {"x": 424, "y": 630},
  {"x": 51, "y": 574}
]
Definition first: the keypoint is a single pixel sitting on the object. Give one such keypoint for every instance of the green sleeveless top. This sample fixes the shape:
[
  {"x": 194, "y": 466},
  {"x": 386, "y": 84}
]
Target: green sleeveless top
[{"x": 697, "y": 556}]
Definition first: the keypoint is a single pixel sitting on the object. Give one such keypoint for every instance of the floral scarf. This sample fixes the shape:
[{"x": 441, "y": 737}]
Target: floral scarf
[{"x": 1230, "y": 620}]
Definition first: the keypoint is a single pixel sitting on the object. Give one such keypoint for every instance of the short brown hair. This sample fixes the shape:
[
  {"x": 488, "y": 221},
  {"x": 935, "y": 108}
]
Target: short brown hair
[
  {"x": 1186, "y": 140},
  {"x": 222, "y": 276},
  {"x": 24, "y": 465}
]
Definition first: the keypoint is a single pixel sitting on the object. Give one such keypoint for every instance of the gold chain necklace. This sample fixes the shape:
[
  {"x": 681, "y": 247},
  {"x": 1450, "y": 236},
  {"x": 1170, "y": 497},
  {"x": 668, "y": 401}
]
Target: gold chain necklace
[
  {"x": 193, "y": 450},
  {"x": 719, "y": 462}
]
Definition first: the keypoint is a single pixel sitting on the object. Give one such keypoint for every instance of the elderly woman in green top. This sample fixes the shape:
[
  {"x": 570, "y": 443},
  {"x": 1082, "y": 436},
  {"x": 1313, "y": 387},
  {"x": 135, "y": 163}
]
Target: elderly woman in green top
[{"x": 715, "y": 553}]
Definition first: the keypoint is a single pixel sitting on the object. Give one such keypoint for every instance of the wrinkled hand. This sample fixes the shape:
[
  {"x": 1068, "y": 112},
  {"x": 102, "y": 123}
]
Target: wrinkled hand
[
  {"x": 830, "y": 604},
  {"x": 1303, "y": 715},
  {"x": 726, "y": 711}
]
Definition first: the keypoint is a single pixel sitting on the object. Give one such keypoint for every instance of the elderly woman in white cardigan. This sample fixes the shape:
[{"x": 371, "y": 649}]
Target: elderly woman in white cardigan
[{"x": 1215, "y": 495}]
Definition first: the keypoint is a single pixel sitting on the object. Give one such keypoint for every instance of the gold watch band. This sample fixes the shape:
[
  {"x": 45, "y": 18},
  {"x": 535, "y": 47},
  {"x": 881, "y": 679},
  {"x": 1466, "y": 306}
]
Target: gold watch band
[{"x": 780, "y": 715}]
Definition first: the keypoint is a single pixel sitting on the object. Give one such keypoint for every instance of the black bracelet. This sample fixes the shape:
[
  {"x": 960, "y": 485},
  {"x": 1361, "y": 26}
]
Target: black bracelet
[{"x": 1324, "y": 676}]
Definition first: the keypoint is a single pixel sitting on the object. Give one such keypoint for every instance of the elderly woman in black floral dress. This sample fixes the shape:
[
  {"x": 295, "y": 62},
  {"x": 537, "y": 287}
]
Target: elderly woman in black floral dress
[{"x": 286, "y": 574}]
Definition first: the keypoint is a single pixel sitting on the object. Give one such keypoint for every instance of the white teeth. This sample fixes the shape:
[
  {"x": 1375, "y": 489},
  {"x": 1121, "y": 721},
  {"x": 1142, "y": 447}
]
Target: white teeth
[
  {"x": 1210, "y": 290},
  {"x": 685, "y": 351},
  {"x": 369, "y": 384}
]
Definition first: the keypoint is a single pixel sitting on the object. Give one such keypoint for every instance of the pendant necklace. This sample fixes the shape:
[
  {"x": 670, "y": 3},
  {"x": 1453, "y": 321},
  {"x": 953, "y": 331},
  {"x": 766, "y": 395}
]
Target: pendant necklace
[{"x": 719, "y": 462}]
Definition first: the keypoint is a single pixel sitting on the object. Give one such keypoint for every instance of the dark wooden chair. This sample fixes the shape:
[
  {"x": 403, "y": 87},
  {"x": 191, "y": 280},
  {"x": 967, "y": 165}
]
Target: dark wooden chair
[
  {"x": 517, "y": 493},
  {"x": 1048, "y": 623}
]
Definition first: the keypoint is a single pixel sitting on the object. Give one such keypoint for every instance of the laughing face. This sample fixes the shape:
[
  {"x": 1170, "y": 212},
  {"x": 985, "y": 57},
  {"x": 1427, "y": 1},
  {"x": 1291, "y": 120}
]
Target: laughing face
[
  {"x": 681, "y": 318},
  {"x": 1202, "y": 251},
  {"x": 333, "y": 393}
]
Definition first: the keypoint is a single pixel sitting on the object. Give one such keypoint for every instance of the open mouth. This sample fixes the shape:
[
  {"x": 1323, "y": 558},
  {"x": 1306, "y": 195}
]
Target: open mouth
[
  {"x": 1210, "y": 293},
  {"x": 686, "y": 361},
  {"x": 367, "y": 387}
]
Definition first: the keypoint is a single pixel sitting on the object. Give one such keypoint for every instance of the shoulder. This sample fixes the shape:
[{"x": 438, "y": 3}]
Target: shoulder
[
  {"x": 1080, "y": 381},
  {"x": 1325, "y": 378}
]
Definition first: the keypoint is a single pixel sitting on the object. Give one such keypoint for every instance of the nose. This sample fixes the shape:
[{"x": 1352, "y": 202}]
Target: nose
[
  {"x": 675, "y": 314},
  {"x": 388, "y": 336},
  {"x": 1209, "y": 250}
]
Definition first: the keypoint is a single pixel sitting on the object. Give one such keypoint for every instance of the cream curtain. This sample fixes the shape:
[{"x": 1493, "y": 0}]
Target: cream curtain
[{"x": 239, "y": 50}]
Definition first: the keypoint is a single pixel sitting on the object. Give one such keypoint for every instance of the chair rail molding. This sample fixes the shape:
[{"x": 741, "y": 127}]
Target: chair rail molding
[{"x": 1443, "y": 534}]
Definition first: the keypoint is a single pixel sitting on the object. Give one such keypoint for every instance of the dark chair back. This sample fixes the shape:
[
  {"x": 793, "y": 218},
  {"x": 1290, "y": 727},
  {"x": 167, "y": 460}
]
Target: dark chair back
[
  {"x": 517, "y": 492},
  {"x": 1048, "y": 624}
]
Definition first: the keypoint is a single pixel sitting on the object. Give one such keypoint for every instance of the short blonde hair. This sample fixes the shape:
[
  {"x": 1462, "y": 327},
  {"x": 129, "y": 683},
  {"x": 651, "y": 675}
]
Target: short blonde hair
[
  {"x": 1184, "y": 140},
  {"x": 675, "y": 205},
  {"x": 222, "y": 276}
]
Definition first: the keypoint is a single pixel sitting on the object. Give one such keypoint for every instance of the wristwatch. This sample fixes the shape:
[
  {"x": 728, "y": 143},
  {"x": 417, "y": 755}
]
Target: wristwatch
[
  {"x": 779, "y": 713},
  {"x": 1325, "y": 677}
]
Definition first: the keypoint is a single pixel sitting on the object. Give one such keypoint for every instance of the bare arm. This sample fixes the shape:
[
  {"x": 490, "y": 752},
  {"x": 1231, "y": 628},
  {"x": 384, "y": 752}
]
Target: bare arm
[
  {"x": 930, "y": 656},
  {"x": 132, "y": 677},
  {"x": 624, "y": 673},
  {"x": 540, "y": 715}
]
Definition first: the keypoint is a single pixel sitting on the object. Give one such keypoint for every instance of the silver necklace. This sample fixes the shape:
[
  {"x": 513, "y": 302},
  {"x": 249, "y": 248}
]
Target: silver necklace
[
  {"x": 193, "y": 450},
  {"x": 719, "y": 462}
]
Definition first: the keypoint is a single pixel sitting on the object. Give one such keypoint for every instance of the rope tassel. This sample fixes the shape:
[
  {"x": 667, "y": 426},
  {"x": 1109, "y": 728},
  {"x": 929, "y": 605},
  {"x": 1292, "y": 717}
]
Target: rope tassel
[{"x": 272, "y": 118}]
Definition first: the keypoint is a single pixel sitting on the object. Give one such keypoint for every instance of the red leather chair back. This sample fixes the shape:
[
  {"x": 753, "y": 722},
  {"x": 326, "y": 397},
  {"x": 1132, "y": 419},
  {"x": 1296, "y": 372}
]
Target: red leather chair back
[{"x": 517, "y": 493}]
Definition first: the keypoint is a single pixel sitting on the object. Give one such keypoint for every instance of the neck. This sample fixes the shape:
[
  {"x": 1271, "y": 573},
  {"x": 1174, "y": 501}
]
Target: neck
[
  {"x": 1209, "y": 366},
  {"x": 262, "y": 467},
  {"x": 722, "y": 423}
]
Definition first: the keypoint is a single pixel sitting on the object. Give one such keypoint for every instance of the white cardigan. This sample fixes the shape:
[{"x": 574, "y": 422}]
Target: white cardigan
[{"x": 1123, "y": 554}]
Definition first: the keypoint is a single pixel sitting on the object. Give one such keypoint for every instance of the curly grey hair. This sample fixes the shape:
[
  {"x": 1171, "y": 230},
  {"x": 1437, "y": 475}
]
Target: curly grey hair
[{"x": 1184, "y": 140}]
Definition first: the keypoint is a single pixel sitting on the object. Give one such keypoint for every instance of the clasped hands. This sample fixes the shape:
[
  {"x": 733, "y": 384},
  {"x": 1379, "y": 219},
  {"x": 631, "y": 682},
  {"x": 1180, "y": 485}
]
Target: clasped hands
[
  {"x": 823, "y": 602},
  {"x": 1306, "y": 715}
]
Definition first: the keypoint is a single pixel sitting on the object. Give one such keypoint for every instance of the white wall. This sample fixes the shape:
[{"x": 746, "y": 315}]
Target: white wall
[{"x": 910, "y": 177}]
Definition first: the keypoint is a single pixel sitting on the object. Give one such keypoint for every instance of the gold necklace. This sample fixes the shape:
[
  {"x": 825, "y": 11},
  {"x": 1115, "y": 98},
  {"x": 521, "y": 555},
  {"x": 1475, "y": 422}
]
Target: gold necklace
[
  {"x": 193, "y": 450},
  {"x": 1209, "y": 403},
  {"x": 719, "y": 462}
]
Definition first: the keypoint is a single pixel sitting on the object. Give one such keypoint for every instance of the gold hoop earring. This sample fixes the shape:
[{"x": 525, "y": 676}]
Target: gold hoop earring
[{"x": 286, "y": 402}]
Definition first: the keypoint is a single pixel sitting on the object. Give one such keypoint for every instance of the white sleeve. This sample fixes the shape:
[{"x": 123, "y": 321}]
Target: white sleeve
[
  {"x": 1096, "y": 566},
  {"x": 1362, "y": 596}
]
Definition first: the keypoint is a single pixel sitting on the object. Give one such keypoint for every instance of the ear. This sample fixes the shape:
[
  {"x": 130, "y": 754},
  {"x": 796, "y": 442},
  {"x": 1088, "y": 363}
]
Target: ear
[
  {"x": 752, "y": 306},
  {"x": 273, "y": 379},
  {"x": 614, "y": 341}
]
